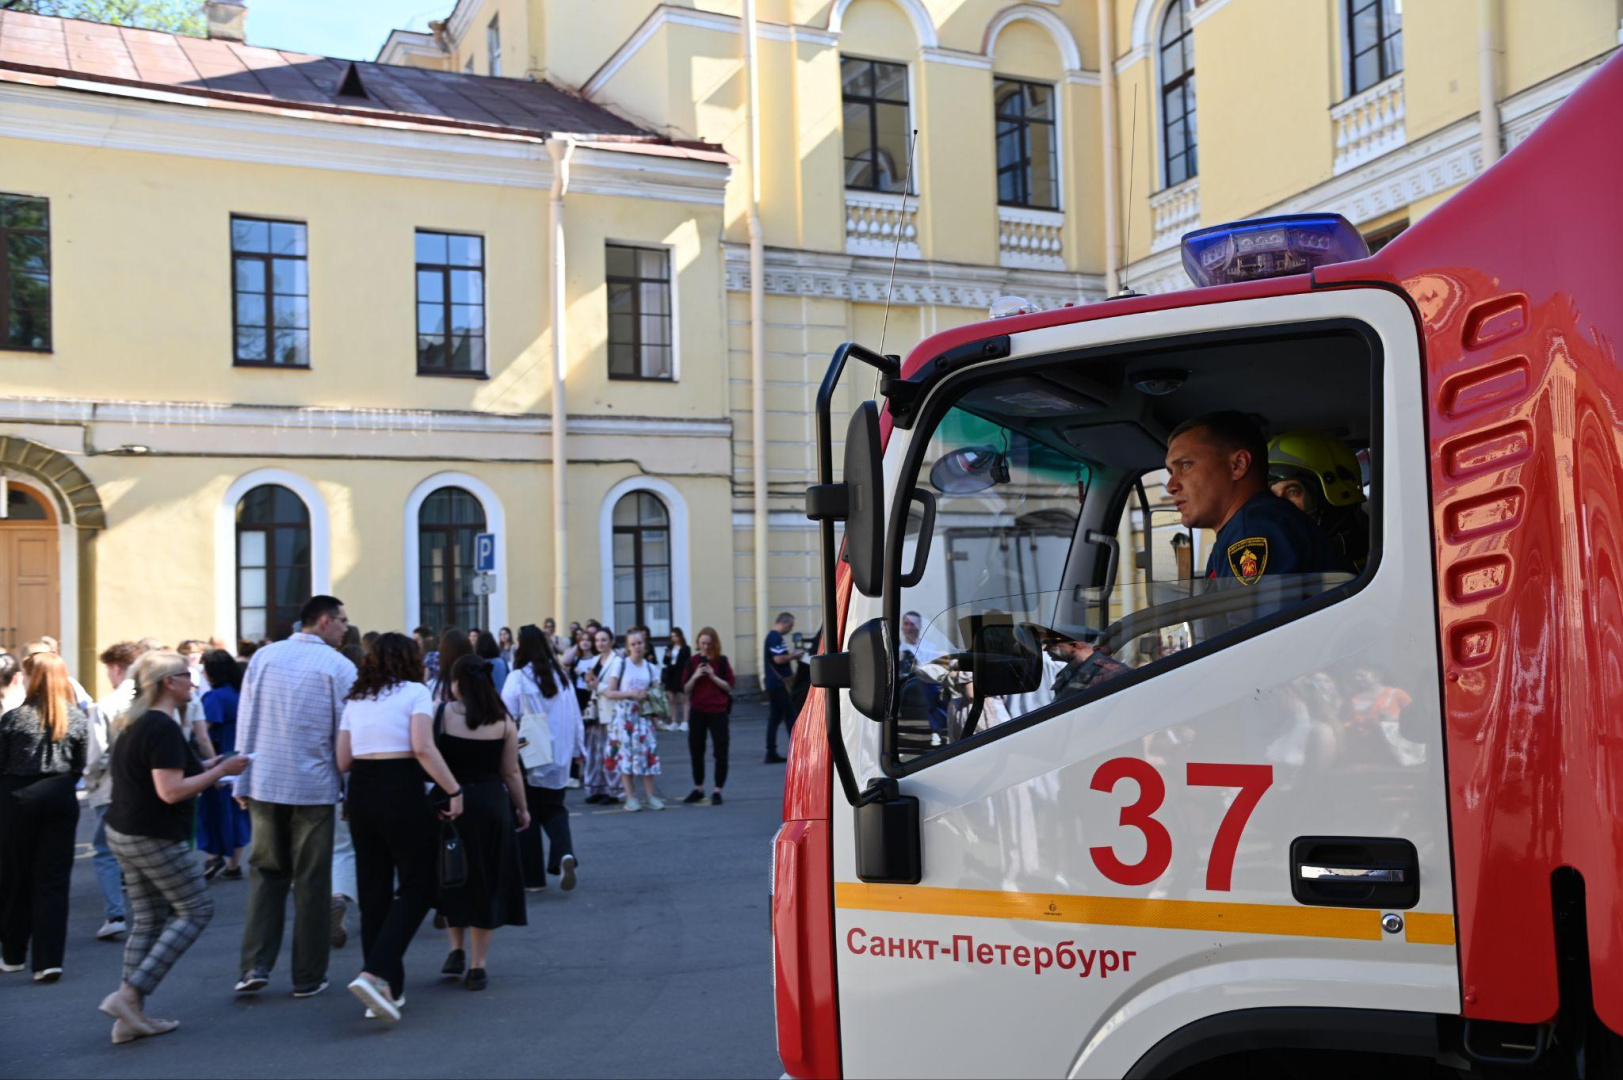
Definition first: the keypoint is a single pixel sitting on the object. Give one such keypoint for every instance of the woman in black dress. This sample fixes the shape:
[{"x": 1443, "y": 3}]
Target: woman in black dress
[{"x": 479, "y": 741}]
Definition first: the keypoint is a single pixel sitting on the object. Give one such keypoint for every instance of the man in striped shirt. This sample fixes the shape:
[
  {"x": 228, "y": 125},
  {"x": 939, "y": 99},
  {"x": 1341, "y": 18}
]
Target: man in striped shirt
[{"x": 287, "y": 722}]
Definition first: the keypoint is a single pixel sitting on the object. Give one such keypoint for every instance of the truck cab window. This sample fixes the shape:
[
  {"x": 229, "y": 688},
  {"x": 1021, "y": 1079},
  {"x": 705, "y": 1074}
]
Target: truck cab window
[{"x": 1097, "y": 521}]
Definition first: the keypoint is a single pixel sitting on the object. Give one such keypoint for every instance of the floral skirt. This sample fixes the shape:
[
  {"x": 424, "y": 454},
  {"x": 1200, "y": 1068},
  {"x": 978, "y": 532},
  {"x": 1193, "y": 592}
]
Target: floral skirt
[{"x": 633, "y": 745}]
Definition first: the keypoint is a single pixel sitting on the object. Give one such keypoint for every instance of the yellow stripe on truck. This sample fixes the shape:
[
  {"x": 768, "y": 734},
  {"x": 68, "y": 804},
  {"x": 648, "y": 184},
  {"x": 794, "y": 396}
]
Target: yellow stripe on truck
[
  {"x": 1428, "y": 928},
  {"x": 1212, "y": 915}
]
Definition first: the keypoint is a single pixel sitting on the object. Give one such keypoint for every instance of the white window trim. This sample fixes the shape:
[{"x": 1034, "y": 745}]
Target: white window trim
[
  {"x": 677, "y": 507},
  {"x": 493, "y": 46},
  {"x": 225, "y": 541},
  {"x": 923, "y": 25},
  {"x": 676, "y": 309},
  {"x": 495, "y": 522}
]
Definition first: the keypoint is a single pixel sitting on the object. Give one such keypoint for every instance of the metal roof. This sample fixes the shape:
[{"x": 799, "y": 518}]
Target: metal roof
[{"x": 297, "y": 83}]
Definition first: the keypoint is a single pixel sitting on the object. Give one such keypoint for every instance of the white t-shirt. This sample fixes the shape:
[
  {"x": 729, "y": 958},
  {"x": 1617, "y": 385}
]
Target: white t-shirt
[
  {"x": 631, "y": 676},
  {"x": 582, "y": 666},
  {"x": 382, "y": 725}
]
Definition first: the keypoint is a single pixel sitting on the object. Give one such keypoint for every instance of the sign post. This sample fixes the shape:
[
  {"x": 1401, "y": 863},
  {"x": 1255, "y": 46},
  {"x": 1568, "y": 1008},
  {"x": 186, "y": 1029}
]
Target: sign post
[{"x": 484, "y": 580}]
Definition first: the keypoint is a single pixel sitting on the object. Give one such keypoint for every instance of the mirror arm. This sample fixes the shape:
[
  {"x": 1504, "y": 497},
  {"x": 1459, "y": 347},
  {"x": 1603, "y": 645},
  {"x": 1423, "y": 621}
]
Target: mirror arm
[
  {"x": 831, "y": 604},
  {"x": 921, "y": 553}
]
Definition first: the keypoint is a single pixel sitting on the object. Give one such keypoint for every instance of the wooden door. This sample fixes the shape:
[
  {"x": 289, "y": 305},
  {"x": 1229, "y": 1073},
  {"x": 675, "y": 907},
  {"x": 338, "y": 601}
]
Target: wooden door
[{"x": 30, "y": 592}]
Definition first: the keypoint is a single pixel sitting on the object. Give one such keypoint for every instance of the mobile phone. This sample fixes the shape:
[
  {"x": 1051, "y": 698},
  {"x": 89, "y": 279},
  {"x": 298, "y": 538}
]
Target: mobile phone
[{"x": 800, "y": 639}]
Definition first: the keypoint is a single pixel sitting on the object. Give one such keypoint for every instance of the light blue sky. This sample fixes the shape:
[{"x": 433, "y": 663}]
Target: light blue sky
[{"x": 353, "y": 29}]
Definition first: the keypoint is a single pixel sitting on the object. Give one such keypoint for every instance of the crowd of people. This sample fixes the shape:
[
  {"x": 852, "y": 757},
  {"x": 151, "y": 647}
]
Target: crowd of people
[{"x": 400, "y": 774}]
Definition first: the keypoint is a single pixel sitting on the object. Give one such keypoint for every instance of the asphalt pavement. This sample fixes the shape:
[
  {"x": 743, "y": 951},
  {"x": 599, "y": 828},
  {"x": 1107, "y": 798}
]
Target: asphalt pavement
[{"x": 656, "y": 965}]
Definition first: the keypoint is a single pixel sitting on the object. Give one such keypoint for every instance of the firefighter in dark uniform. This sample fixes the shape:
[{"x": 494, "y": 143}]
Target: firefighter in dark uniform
[
  {"x": 1217, "y": 468},
  {"x": 1322, "y": 478}
]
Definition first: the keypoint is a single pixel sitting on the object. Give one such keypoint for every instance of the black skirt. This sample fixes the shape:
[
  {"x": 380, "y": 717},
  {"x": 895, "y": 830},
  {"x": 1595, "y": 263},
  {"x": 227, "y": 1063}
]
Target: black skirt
[{"x": 494, "y": 893}]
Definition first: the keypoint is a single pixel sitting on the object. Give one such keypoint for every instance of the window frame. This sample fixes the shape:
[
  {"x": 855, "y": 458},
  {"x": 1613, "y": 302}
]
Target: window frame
[
  {"x": 873, "y": 101},
  {"x": 445, "y": 269},
  {"x": 270, "y": 530},
  {"x": 1025, "y": 123},
  {"x": 267, "y": 259},
  {"x": 454, "y": 575},
  {"x": 6, "y": 344},
  {"x": 1351, "y": 9},
  {"x": 940, "y": 399},
  {"x": 493, "y": 46},
  {"x": 638, "y": 565},
  {"x": 673, "y": 319},
  {"x": 1184, "y": 86}
]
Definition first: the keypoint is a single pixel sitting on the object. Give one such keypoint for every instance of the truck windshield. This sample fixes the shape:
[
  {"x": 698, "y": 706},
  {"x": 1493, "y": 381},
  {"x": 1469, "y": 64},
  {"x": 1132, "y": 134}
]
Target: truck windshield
[{"x": 1060, "y": 562}]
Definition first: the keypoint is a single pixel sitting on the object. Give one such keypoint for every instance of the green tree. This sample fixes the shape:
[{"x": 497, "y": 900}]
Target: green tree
[{"x": 173, "y": 16}]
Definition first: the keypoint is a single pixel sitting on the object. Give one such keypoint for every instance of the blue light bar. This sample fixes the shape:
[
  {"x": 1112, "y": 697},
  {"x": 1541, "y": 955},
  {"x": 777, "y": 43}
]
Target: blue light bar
[{"x": 1269, "y": 247}]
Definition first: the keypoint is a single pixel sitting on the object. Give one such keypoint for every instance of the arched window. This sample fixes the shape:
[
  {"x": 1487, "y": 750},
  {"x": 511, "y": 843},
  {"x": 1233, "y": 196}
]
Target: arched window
[
  {"x": 1178, "y": 139},
  {"x": 1374, "y": 42},
  {"x": 447, "y": 523},
  {"x": 273, "y": 562},
  {"x": 642, "y": 564}
]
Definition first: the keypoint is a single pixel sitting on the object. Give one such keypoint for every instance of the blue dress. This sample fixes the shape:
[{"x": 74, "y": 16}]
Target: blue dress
[{"x": 222, "y": 825}]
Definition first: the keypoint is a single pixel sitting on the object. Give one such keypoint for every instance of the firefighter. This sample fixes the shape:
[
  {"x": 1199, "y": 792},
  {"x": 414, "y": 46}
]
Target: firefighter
[
  {"x": 1218, "y": 480},
  {"x": 1321, "y": 477}
]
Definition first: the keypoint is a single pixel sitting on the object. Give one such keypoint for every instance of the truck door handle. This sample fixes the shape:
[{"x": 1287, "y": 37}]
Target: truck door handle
[
  {"x": 1355, "y": 871},
  {"x": 1369, "y": 874}
]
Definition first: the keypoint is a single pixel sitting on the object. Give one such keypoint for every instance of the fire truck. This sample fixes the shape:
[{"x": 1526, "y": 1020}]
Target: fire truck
[{"x": 1331, "y": 822}]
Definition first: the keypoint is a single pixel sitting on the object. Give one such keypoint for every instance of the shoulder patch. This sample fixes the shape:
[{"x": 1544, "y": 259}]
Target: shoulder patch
[{"x": 1248, "y": 559}]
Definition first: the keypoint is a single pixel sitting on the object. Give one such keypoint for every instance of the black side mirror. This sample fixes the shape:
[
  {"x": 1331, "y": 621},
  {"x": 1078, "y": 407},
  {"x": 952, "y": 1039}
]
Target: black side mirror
[
  {"x": 1005, "y": 656},
  {"x": 865, "y": 506},
  {"x": 871, "y": 675}
]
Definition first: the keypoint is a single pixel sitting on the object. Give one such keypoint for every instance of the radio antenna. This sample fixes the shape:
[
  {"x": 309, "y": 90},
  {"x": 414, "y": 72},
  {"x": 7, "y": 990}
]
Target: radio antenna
[
  {"x": 1132, "y": 168},
  {"x": 901, "y": 228}
]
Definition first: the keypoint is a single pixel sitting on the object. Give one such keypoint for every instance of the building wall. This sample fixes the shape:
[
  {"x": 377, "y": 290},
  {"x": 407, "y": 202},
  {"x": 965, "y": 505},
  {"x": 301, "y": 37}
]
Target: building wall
[{"x": 142, "y": 355}]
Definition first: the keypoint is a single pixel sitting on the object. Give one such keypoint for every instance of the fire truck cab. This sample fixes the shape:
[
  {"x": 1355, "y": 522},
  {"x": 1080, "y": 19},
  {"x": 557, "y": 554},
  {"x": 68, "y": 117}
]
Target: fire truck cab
[{"x": 1081, "y": 792}]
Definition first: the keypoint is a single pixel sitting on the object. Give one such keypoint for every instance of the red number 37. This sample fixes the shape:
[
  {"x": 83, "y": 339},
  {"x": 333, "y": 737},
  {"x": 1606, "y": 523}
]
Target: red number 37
[{"x": 1252, "y": 780}]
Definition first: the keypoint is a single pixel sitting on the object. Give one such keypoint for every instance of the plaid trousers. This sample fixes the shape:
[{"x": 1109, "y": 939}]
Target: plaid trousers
[{"x": 169, "y": 905}]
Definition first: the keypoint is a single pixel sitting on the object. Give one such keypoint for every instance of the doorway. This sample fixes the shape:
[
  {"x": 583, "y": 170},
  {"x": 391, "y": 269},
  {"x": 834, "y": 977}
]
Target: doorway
[{"x": 30, "y": 565}]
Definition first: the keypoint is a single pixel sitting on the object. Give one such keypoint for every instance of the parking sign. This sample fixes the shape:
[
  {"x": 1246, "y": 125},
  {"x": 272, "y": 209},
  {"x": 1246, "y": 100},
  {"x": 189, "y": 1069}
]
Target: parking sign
[{"x": 484, "y": 553}]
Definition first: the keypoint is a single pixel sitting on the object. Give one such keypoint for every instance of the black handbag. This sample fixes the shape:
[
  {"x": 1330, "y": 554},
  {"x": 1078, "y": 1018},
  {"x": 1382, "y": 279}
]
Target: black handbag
[{"x": 453, "y": 858}]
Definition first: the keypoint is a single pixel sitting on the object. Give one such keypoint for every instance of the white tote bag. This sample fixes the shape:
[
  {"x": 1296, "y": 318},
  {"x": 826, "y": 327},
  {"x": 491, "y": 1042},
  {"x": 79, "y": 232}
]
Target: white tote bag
[{"x": 534, "y": 732}]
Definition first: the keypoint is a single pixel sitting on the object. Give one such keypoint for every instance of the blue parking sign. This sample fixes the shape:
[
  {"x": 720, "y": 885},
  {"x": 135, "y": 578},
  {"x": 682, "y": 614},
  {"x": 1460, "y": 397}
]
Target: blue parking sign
[{"x": 484, "y": 553}]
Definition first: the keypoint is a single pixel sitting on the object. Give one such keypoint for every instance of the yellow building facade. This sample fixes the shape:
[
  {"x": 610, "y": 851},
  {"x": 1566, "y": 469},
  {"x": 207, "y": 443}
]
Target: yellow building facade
[{"x": 1062, "y": 149}]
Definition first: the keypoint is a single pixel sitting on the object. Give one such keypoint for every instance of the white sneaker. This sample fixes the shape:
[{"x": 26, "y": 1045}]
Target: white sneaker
[
  {"x": 935, "y": 738},
  {"x": 49, "y": 975},
  {"x": 111, "y": 929},
  {"x": 11, "y": 969},
  {"x": 629, "y": 806},
  {"x": 655, "y": 803},
  {"x": 376, "y": 998},
  {"x": 567, "y": 869},
  {"x": 399, "y": 1003}
]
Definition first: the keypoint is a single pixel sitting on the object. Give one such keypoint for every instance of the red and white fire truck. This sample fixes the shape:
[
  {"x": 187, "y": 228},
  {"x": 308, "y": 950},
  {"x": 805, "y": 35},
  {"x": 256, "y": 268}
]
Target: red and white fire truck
[{"x": 1346, "y": 815}]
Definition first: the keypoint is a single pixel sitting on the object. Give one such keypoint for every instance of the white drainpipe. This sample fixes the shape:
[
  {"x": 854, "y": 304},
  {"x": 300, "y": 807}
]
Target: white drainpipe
[
  {"x": 1112, "y": 152},
  {"x": 561, "y": 151},
  {"x": 1488, "y": 78},
  {"x": 763, "y": 591}
]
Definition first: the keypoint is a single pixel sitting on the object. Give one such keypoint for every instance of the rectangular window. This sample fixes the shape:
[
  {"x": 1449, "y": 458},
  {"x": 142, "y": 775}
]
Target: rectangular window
[
  {"x": 1374, "y": 40},
  {"x": 876, "y": 124},
  {"x": 25, "y": 273},
  {"x": 1027, "y": 159},
  {"x": 493, "y": 45},
  {"x": 641, "y": 344},
  {"x": 450, "y": 304},
  {"x": 271, "y": 313}
]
